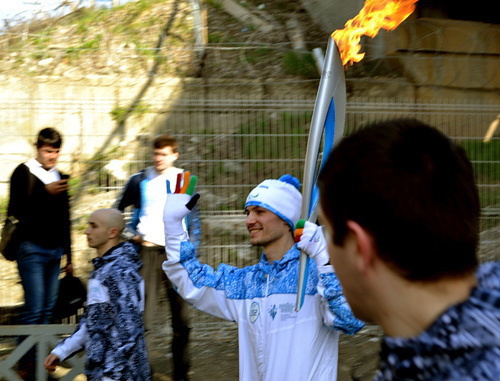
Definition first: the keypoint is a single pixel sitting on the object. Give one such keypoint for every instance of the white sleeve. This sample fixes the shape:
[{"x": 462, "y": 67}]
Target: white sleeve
[
  {"x": 73, "y": 343},
  {"x": 199, "y": 284}
]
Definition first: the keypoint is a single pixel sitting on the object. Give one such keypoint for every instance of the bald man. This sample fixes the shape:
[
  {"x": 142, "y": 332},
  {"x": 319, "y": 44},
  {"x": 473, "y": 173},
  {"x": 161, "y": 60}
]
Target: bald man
[{"x": 112, "y": 330}]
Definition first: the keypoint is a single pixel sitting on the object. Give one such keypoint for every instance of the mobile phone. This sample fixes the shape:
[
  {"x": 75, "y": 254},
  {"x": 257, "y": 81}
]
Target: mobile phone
[{"x": 64, "y": 176}]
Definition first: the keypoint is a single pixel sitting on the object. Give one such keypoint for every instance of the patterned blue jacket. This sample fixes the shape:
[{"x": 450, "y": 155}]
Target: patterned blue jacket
[
  {"x": 275, "y": 341},
  {"x": 112, "y": 331},
  {"x": 462, "y": 344}
]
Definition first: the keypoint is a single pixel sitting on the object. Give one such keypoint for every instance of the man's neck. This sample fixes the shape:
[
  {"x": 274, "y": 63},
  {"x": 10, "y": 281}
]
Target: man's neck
[
  {"x": 105, "y": 248},
  {"x": 276, "y": 250},
  {"x": 162, "y": 172},
  {"x": 417, "y": 305}
]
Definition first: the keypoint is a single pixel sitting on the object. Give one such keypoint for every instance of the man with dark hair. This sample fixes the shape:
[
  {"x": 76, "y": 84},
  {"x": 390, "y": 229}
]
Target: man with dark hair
[
  {"x": 111, "y": 331},
  {"x": 146, "y": 191},
  {"x": 39, "y": 200},
  {"x": 401, "y": 211},
  {"x": 275, "y": 341}
]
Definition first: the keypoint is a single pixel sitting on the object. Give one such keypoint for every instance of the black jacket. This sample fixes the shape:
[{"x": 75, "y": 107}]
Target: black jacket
[{"x": 43, "y": 218}]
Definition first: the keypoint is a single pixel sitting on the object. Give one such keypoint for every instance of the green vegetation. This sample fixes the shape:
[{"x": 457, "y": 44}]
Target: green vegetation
[
  {"x": 4, "y": 202},
  {"x": 74, "y": 183},
  {"x": 266, "y": 138},
  {"x": 487, "y": 172},
  {"x": 214, "y": 3},
  {"x": 301, "y": 64},
  {"x": 87, "y": 46},
  {"x": 221, "y": 38},
  {"x": 481, "y": 155},
  {"x": 80, "y": 36},
  {"x": 119, "y": 112},
  {"x": 38, "y": 55},
  {"x": 42, "y": 39},
  {"x": 255, "y": 55},
  {"x": 87, "y": 17}
]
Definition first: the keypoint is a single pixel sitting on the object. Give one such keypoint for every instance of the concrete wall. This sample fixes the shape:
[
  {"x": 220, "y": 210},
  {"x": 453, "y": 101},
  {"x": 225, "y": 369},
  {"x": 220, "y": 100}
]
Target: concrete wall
[
  {"x": 330, "y": 15},
  {"x": 426, "y": 51},
  {"x": 80, "y": 109},
  {"x": 446, "y": 53}
]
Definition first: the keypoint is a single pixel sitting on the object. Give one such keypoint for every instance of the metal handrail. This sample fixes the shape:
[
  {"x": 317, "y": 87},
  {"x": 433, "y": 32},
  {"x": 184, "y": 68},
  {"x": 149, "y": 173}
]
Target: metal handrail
[{"x": 44, "y": 337}]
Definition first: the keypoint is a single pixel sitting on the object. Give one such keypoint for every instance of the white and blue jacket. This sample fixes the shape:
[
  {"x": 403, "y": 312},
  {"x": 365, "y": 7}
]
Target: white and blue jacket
[
  {"x": 112, "y": 331},
  {"x": 275, "y": 341},
  {"x": 141, "y": 193}
]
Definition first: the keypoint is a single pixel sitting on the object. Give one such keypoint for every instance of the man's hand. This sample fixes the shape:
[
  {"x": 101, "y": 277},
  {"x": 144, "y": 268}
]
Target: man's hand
[
  {"x": 57, "y": 187},
  {"x": 311, "y": 240},
  {"x": 179, "y": 203},
  {"x": 51, "y": 362},
  {"x": 138, "y": 239}
]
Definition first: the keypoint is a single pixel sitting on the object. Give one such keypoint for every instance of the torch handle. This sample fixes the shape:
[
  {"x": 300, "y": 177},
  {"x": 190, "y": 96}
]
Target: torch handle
[{"x": 328, "y": 118}]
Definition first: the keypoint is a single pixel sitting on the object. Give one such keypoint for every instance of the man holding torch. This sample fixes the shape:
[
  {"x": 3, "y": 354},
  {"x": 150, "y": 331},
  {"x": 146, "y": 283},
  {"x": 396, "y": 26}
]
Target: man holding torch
[{"x": 275, "y": 341}]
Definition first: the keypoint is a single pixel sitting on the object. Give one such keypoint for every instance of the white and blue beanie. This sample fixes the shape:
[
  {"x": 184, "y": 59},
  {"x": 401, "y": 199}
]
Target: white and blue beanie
[{"x": 282, "y": 197}]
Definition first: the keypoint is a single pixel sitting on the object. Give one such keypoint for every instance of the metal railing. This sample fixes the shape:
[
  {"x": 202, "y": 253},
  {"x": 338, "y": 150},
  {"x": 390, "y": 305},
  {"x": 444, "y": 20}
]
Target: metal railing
[{"x": 43, "y": 338}]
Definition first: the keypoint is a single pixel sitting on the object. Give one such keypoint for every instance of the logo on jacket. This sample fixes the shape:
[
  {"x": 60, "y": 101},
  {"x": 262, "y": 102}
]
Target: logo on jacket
[
  {"x": 287, "y": 311},
  {"x": 254, "y": 311},
  {"x": 273, "y": 311}
]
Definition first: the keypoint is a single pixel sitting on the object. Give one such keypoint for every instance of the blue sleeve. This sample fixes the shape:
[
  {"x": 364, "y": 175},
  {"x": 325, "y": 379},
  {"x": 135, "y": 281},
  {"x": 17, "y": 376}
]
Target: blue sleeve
[
  {"x": 344, "y": 319},
  {"x": 130, "y": 193}
]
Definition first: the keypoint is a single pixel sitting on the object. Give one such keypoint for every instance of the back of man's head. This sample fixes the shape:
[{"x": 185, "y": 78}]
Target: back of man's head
[
  {"x": 163, "y": 141},
  {"x": 114, "y": 219},
  {"x": 111, "y": 219},
  {"x": 413, "y": 190},
  {"x": 49, "y": 136}
]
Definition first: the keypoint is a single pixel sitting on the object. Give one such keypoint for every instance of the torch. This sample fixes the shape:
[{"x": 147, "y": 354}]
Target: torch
[
  {"x": 330, "y": 107},
  {"x": 327, "y": 122}
]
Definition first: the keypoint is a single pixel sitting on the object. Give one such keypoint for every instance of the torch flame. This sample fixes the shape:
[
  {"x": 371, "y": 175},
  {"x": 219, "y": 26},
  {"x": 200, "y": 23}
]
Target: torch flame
[{"x": 375, "y": 14}]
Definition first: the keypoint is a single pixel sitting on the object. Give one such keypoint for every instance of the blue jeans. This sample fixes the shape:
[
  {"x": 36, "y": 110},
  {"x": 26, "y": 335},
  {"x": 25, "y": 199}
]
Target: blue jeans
[{"x": 39, "y": 271}]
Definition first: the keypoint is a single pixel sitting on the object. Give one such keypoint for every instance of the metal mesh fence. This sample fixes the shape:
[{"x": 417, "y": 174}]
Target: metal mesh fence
[{"x": 231, "y": 144}]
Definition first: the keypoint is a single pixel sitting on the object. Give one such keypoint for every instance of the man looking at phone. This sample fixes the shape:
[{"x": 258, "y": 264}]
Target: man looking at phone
[{"x": 39, "y": 200}]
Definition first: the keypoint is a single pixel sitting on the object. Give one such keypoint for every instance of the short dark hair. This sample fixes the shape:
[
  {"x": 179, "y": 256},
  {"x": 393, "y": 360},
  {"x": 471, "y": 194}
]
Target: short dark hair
[
  {"x": 50, "y": 137},
  {"x": 163, "y": 141},
  {"x": 413, "y": 189}
]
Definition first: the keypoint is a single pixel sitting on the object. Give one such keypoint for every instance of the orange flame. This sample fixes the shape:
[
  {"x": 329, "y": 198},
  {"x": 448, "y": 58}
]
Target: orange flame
[{"x": 375, "y": 14}]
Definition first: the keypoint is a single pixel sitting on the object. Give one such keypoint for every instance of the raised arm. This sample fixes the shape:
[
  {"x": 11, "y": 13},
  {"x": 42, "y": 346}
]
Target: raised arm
[{"x": 197, "y": 283}]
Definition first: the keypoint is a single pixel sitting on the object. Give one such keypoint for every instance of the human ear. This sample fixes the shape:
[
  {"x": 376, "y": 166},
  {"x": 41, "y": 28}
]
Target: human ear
[
  {"x": 363, "y": 245},
  {"x": 113, "y": 233}
]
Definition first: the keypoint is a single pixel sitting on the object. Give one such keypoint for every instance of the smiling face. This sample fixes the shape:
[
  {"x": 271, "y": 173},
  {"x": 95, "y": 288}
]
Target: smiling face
[
  {"x": 163, "y": 158},
  {"x": 47, "y": 156},
  {"x": 265, "y": 227}
]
